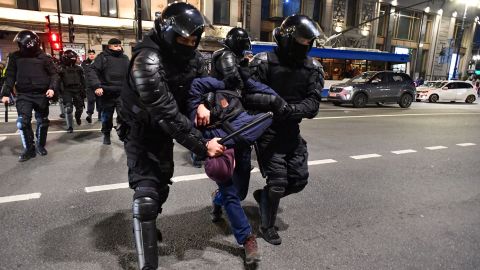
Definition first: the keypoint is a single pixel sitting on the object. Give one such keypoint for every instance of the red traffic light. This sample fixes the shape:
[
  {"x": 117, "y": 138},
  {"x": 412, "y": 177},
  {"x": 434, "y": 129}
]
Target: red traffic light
[
  {"x": 55, "y": 42},
  {"x": 54, "y": 37}
]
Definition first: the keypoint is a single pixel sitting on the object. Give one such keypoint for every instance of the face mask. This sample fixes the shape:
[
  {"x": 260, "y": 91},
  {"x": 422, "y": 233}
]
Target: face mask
[
  {"x": 116, "y": 53},
  {"x": 298, "y": 52},
  {"x": 184, "y": 52}
]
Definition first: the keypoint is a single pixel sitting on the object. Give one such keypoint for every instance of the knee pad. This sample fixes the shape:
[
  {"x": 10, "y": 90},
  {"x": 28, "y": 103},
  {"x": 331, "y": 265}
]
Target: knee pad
[
  {"x": 145, "y": 208},
  {"x": 43, "y": 122},
  {"x": 276, "y": 192},
  {"x": 297, "y": 186},
  {"x": 68, "y": 108},
  {"x": 22, "y": 123}
]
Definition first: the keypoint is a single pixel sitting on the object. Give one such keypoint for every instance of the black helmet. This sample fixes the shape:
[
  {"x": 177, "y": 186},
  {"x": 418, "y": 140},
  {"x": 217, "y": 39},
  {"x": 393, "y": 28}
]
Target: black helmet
[
  {"x": 294, "y": 34},
  {"x": 27, "y": 40},
  {"x": 179, "y": 19},
  {"x": 69, "y": 58},
  {"x": 238, "y": 41}
]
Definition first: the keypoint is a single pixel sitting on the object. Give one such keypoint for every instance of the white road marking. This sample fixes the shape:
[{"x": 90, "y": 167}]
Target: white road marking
[
  {"x": 22, "y": 197},
  {"x": 190, "y": 177},
  {"x": 106, "y": 187},
  {"x": 366, "y": 156},
  {"x": 3, "y": 138},
  {"x": 322, "y": 161},
  {"x": 406, "y": 151},
  {"x": 439, "y": 147},
  {"x": 390, "y": 115},
  {"x": 460, "y": 144},
  {"x": 55, "y": 131}
]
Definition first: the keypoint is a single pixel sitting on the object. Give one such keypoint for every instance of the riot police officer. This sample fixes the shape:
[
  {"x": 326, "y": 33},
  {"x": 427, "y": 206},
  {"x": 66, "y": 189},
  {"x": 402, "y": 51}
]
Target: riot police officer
[
  {"x": 92, "y": 101},
  {"x": 107, "y": 76},
  {"x": 226, "y": 63},
  {"x": 298, "y": 79},
  {"x": 163, "y": 66},
  {"x": 72, "y": 83},
  {"x": 34, "y": 76}
]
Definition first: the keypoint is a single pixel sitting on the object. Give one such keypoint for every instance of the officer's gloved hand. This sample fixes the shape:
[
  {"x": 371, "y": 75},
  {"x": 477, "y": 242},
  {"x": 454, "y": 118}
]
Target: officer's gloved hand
[
  {"x": 279, "y": 106},
  {"x": 233, "y": 82}
]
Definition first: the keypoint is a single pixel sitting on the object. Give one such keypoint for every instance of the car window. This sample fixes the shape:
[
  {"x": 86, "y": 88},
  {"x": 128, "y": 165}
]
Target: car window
[
  {"x": 379, "y": 78},
  {"x": 397, "y": 78},
  {"x": 465, "y": 85},
  {"x": 452, "y": 85}
]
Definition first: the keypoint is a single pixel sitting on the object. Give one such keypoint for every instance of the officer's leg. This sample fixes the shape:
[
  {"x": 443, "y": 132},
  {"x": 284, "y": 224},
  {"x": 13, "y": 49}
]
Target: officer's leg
[
  {"x": 67, "y": 102},
  {"x": 108, "y": 107},
  {"x": 269, "y": 198},
  {"x": 79, "y": 104},
  {"x": 98, "y": 103},
  {"x": 241, "y": 173},
  {"x": 41, "y": 115},
  {"x": 297, "y": 172},
  {"x": 90, "y": 104},
  {"x": 62, "y": 108},
  {"x": 24, "y": 110}
]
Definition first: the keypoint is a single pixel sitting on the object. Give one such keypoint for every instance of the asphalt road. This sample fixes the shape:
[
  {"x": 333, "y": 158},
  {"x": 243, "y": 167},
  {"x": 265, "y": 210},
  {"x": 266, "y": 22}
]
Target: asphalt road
[{"x": 389, "y": 189}]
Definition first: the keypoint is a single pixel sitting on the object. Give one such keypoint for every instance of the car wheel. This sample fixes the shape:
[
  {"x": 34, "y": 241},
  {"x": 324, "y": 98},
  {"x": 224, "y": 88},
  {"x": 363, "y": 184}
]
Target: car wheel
[
  {"x": 470, "y": 99},
  {"x": 433, "y": 98},
  {"x": 336, "y": 103},
  {"x": 360, "y": 100},
  {"x": 405, "y": 101}
]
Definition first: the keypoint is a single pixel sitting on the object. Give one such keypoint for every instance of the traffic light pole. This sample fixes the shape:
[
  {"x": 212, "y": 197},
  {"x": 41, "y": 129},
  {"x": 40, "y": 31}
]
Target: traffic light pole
[
  {"x": 59, "y": 28},
  {"x": 138, "y": 9}
]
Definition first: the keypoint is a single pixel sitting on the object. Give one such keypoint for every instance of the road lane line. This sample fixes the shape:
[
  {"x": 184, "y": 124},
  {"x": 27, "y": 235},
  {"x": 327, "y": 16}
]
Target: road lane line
[
  {"x": 23, "y": 197},
  {"x": 320, "y": 162},
  {"x": 54, "y": 131},
  {"x": 459, "y": 144},
  {"x": 439, "y": 147},
  {"x": 390, "y": 115},
  {"x": 366, "y": 156},
  {"x": 190, "y": 177},
  {"x": 406, "y": 151}
]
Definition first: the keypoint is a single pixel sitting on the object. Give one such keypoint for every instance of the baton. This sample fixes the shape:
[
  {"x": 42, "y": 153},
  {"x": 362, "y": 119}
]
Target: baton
[
  {"x": 6, "y": 112},
  {"x": 260, "y": 167},
  {"x": 257, "y": 121}
]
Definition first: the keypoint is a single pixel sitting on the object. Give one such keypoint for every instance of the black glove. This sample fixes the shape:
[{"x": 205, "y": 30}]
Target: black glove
[{"x": 233, "y": 82}]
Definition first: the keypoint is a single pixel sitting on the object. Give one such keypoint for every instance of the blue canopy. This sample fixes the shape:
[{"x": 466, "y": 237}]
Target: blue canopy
[{"x": 344, "y": 54}]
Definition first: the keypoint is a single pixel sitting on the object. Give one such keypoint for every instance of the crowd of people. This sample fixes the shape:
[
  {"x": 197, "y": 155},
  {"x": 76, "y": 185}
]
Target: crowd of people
[{"x": 163, "y": 93}]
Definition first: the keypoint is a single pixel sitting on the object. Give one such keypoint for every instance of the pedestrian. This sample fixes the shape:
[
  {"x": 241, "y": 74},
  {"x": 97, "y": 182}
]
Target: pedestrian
[
  {"x": 34, "y": 77},
  {"x": 92, "y": 101},
  {"x": 154, "y": 105},
  {"x": 298, "y": 79},
  {"x": 107, "y": 76},
  {"x": 72, "y": 85}
]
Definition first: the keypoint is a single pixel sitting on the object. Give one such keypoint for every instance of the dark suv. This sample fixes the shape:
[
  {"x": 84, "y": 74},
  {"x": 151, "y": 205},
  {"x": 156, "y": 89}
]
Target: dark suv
[{"x": 374, "y": 87}]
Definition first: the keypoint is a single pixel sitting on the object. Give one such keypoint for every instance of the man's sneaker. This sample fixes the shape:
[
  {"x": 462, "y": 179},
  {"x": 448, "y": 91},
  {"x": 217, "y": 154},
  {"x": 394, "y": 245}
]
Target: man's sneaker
[
  {"x": 69, "y": 130},
  {"x": 106, "y": 139},
  {"x": 78, "y": 120},
  {"x": 89, "y": 118},
  {"x": 271, "y": 236},
  {"x": 41, "y": 150},
  {"x": 251, "y": 250},
  {"x": 216, "y": 213},
  {"x": 27, "y": 154}
]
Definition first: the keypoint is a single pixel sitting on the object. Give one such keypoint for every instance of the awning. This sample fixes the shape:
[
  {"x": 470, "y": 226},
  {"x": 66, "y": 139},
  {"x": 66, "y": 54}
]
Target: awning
[{"x": 329, "y": 53}]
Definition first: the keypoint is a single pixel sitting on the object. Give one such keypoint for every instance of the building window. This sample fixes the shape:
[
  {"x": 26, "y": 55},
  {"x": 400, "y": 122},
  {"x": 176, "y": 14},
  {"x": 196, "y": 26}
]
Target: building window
[
  {"x": 313, "y": 9},
  {"x": 146, "y": 10},
  {"x": 382, "y": 22},
  {"x": 108, "y": 8},
  {"x": 71, "y": 6},
  {"x": 221, "y": 12},
  {"x": 27, "y": 4},
  {"x": 291, "y": 7},
  {"x": 352, "y": 12},
  {"x": 407, "y": 26}
]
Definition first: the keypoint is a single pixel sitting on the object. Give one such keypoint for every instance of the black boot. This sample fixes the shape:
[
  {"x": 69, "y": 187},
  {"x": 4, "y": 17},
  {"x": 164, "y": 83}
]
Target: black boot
[
  {"x": 106, "y": 138},
  {"x": 270, "y": 199},
  {"x": 78, "y": 119},
  {"x": 89, "y": 118},
  {"x": 29, "y": 148},
  {"x": 69, "y": 120},
  {"x": 42, "y": 131}
]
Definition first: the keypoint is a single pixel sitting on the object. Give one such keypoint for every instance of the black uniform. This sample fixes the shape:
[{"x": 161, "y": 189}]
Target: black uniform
[
  {"x": 72, "y": 83},
  {"x": 92, "y": 100},
  {"x": 298, "y": 79},
  {"x": 32, "y": 73},
  {"x": 153, "y": 108},
  {"x": 109, "y": 72}
]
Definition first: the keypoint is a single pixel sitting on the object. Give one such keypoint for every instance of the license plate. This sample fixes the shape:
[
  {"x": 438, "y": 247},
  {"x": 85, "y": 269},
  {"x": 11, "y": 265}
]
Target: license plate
[{"x": 332, "y": 94}]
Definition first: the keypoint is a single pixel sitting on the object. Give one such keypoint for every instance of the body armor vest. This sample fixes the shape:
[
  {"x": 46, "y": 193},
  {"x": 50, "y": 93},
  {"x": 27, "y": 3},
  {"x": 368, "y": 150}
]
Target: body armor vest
[
  {"x": 72, "y": 77},
  {"x": 115, "y": 72},
  {"x": 32, "y": 76}
]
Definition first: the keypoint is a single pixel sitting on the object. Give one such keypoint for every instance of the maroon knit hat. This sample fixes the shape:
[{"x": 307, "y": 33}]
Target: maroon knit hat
[{"x": 220, "y": 169}]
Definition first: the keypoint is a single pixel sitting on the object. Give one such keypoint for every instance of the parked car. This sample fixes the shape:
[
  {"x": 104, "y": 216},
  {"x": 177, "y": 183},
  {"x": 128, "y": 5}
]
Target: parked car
[
  {"x": 374, "y": 87},
  {"x": 447, "y": 91}
]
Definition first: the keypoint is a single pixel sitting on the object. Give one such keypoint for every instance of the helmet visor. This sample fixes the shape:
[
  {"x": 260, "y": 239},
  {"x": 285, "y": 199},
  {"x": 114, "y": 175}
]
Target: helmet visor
[
  {"x": 305, "y": 31},
  {"x": 188, "y": 22}
]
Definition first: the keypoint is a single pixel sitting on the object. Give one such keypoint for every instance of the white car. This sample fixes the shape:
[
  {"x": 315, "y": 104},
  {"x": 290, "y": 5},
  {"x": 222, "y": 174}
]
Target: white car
[{"x": 447, "y": 91}]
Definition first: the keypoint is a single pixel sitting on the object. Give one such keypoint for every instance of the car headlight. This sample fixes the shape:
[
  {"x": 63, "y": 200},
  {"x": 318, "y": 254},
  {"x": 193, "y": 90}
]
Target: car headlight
[{"x": 347, "y": 90}]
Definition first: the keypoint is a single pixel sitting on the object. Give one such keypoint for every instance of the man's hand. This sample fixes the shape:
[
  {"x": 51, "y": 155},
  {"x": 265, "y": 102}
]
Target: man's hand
[
  {"x": 214, "y": 149},
  {"x": 50, "y": 93},
  {"x": 5, "y": 100},
  {"x": 203, "y": 116},
  {"x": 99, "y": 92}
]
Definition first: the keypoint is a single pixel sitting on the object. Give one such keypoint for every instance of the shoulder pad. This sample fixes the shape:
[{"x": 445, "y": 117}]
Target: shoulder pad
[
  {"x": 316, "y": 63},
  {"x": 148, "y": 57}
]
